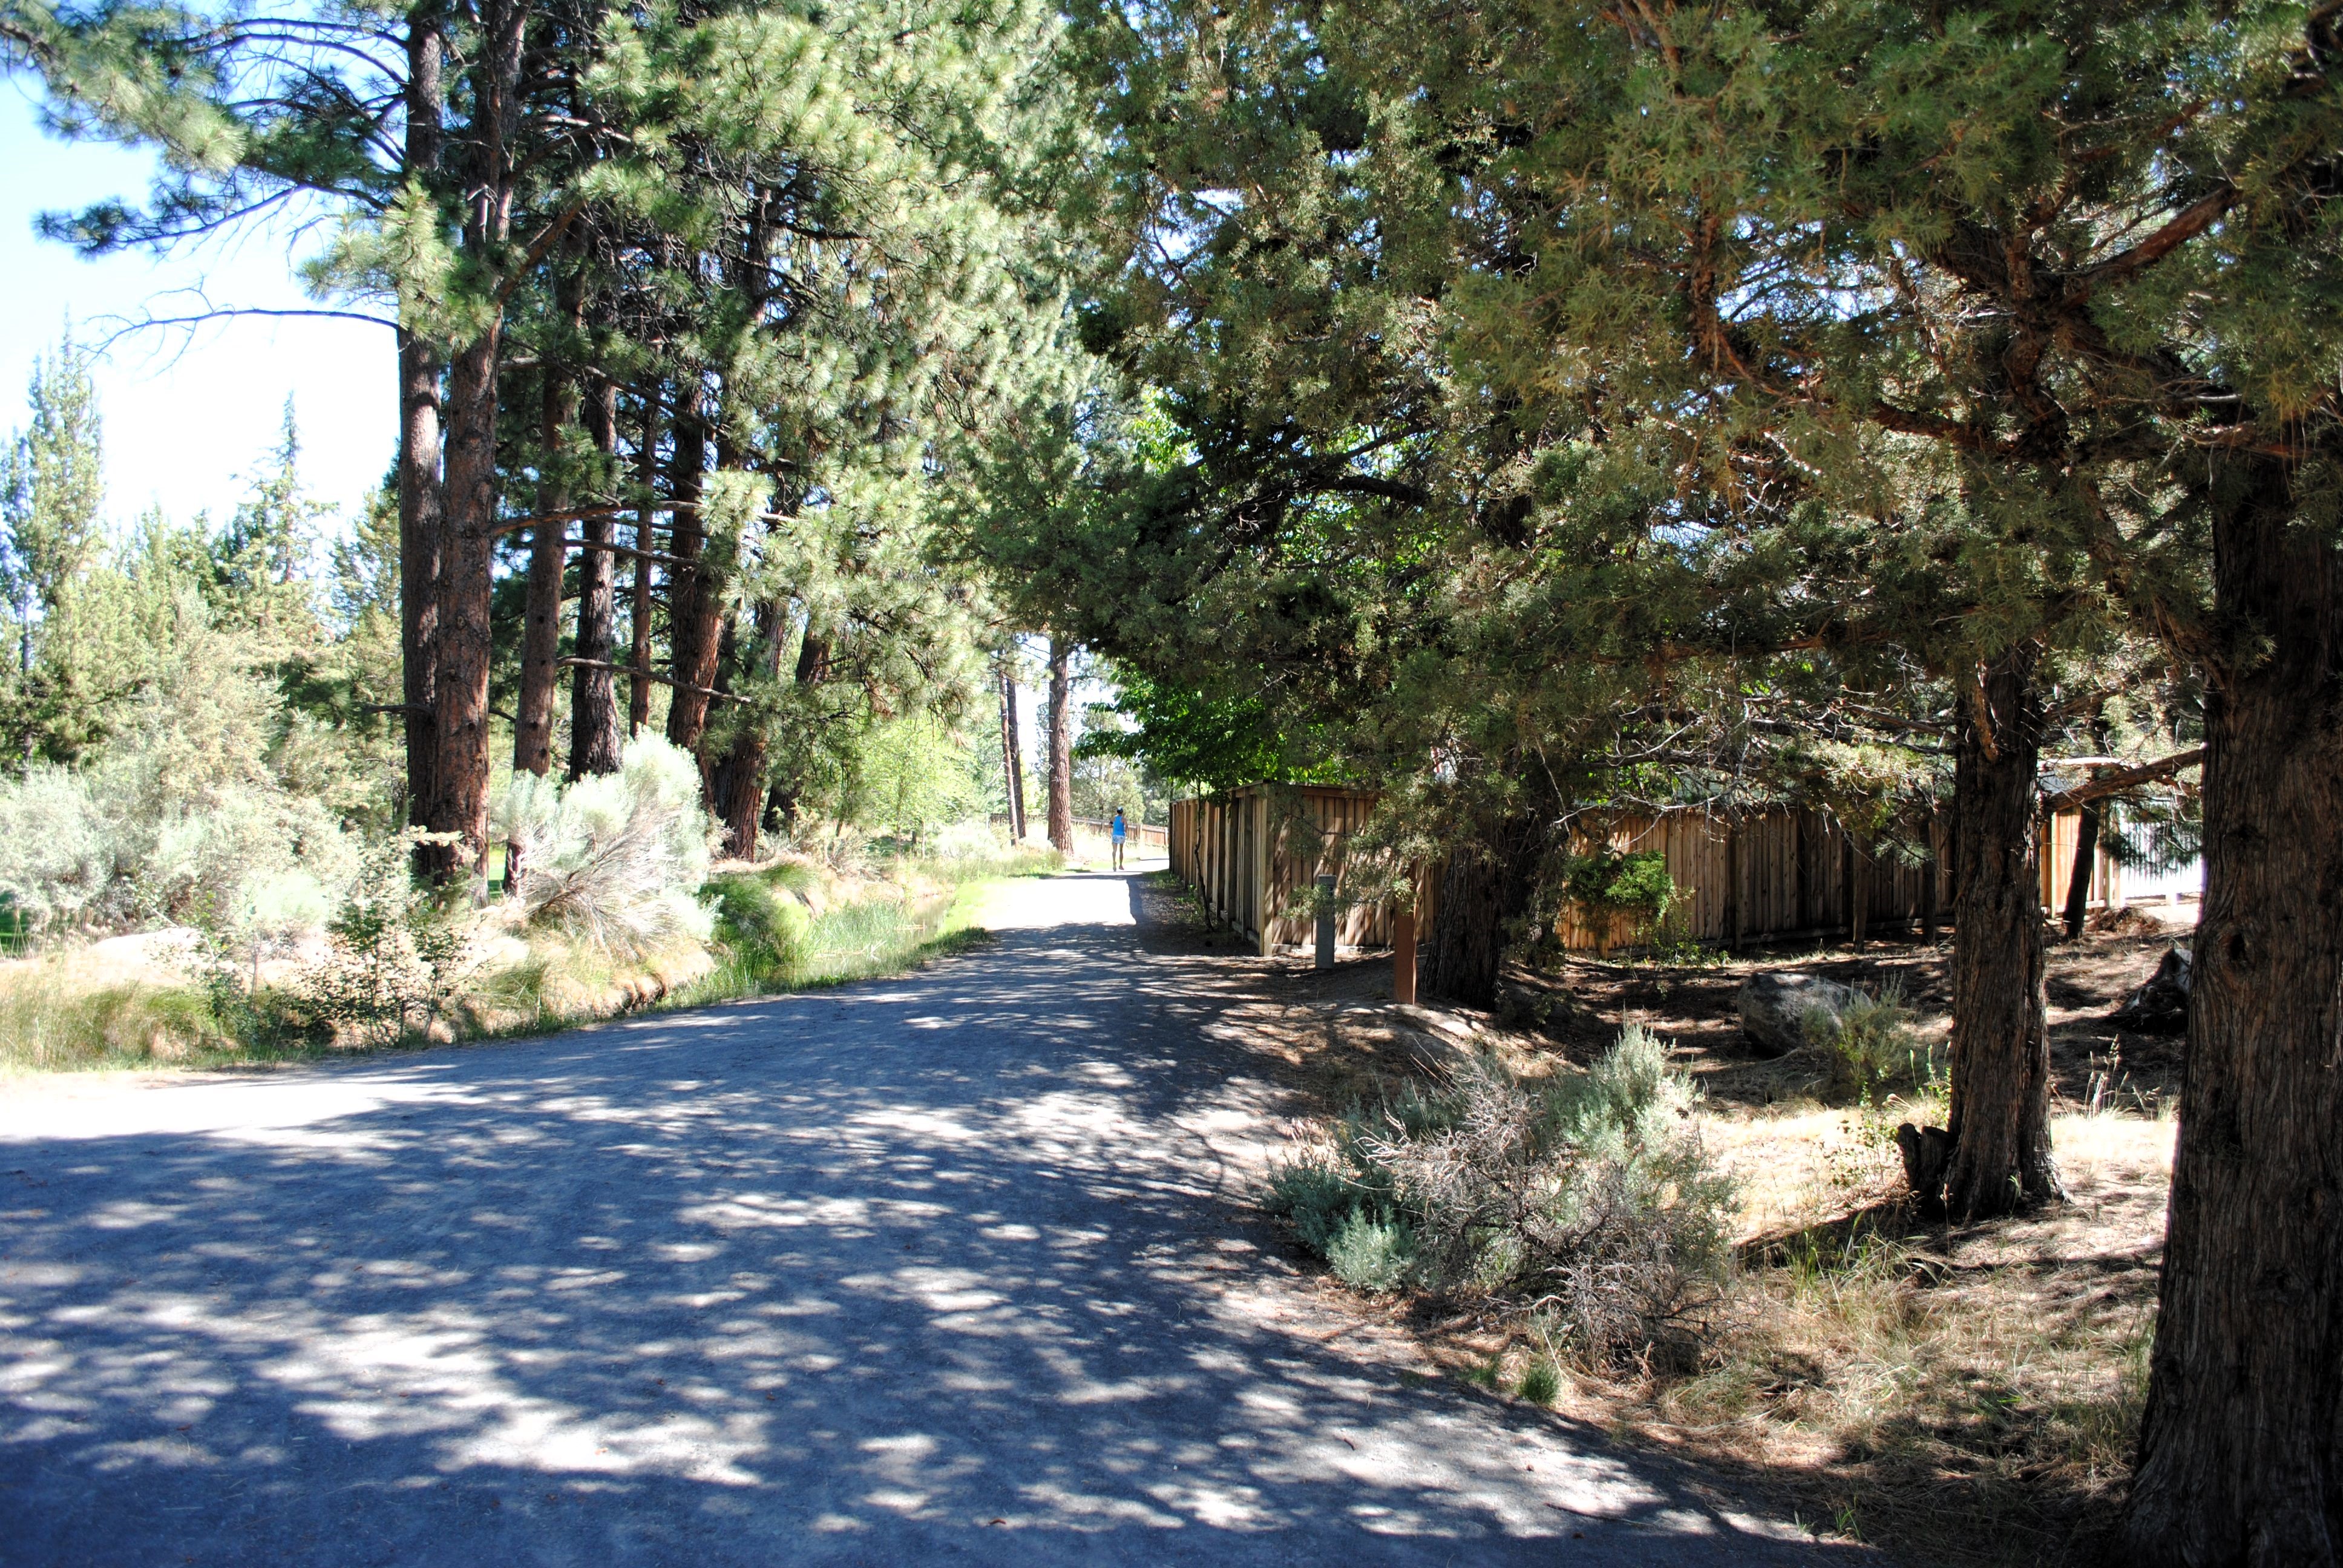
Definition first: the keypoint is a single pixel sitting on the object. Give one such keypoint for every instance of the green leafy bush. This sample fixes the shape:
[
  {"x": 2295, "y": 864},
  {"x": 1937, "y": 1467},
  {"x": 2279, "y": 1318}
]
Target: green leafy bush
[
  {"x": 1607, "y": 884},
  {"x": 395, "y": 955},
  {"x": 1589, "y": 1197}
]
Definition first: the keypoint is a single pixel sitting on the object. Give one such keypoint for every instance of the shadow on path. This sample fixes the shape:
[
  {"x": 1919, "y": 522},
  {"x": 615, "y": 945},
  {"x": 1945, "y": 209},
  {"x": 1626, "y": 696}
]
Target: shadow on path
[{"x": 953, "y": 1267}]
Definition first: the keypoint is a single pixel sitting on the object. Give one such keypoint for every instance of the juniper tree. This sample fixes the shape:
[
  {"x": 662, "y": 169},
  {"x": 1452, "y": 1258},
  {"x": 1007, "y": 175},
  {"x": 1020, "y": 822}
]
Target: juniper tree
[{"x": 2067, "y": 269}]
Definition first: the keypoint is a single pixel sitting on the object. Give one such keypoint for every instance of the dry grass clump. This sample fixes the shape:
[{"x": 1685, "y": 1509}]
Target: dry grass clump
[
  {"x": 614, "y": 860},
  {"x": 48, "y": 1021},
  {"x": 1965, "y": 1396}
]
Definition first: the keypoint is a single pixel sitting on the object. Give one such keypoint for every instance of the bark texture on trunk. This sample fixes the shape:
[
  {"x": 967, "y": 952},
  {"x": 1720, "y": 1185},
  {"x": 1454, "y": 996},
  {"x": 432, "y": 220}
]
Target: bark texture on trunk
[
  {"x": 548, "y": 560},
  {"x": 419, "y": 522},
  {"x": 740, "y": 786},
  {"x": 460, "y": 695},
  {"x": 2000, "y": 1104},
  {"x": 1016, "y": 750},
  {"x": 1061, "y": 747},
  {"x": 1484, "y": 888},
  {"x": 694, "y": 622},
  {"x": 2087, "y": 842},
  {"x": 2239, "y": 1459},
  {"x": 460, "y": 708},
  {"x": 420, "y": 369},
  {"x": 639, "y": 598},
  {"x": 1012, "y": 774},
  {"x": 2079, "y": 880},
  {"x": 594, "y": 732}
]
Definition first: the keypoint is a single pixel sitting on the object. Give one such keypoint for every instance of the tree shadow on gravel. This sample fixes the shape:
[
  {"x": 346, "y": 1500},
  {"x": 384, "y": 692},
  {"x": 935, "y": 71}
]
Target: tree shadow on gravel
[{"x": 959, "y": 1265}]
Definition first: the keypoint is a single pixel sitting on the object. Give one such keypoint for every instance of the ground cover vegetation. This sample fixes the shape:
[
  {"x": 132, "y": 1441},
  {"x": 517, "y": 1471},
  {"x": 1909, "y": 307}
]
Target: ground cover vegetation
[{"x": 1532, "y": 413}]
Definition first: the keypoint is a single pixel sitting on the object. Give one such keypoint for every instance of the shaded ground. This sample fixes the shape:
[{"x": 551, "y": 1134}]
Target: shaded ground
[
  {"x": 2088, "y": 978},
  {"x": 955, "y": 1267},
  {"x": 1964, "y": 1395}
]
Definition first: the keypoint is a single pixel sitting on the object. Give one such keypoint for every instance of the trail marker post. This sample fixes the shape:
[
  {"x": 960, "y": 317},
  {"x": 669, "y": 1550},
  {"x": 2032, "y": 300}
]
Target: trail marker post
[{"x": 1325, "y": 919}]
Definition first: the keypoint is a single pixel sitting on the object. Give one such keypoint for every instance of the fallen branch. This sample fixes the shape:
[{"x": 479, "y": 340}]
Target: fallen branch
[{"x": 2116, "y": 783}]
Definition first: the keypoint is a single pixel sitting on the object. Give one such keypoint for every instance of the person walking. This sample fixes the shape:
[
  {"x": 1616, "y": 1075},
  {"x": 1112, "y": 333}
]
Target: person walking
[{"x": 1116, "y": 833}]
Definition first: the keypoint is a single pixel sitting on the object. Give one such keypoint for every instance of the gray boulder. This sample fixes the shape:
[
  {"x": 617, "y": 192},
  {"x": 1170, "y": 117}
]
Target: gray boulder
[
  {"x": 1773, "y": 1009},
  {"x": 2161, "y": 1006}
]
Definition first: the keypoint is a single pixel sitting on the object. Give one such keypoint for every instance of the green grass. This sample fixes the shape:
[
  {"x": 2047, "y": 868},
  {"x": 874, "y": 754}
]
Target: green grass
[
  {"x": 49, "y": 1026},
  {"x": 765, "y": 943}
]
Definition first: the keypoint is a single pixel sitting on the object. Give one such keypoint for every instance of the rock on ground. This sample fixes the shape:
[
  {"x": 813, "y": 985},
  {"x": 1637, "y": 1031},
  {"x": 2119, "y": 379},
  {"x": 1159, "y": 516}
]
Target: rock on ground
[
  {"x": 1774, "y": 1007},
  {"x": 2160, "y": 1006}
]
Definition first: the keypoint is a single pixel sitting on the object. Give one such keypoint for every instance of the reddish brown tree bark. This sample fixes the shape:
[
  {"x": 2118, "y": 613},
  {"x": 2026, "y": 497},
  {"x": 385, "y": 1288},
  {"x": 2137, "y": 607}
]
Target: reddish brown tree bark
[
  {"x": 1485, "y": 889},
  {"x": 460, "y": 694},
  {"x": 694, "y": 618},
  {"x": 594, "y": 730},
  {"x": 548, "y": 559},
  {"x": 2238, "y": 1456},
  {"x": 1012, "y": 759},
  {"x": 1061, "y": 747},
  {"x": 639, "y": 596},
  {"x": 2000, "y": 1105},
  {"x": 740, "y": 780},
  {"x": 420, "y": 369}
]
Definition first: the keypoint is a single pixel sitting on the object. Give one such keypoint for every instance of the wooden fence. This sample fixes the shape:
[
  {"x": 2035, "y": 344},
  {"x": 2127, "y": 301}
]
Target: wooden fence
[{"x": 1251, "y": 855}]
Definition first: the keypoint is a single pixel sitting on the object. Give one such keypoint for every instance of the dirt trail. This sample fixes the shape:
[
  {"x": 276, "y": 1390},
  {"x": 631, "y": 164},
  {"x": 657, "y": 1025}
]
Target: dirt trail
[{"x": 958, "y": 1265}]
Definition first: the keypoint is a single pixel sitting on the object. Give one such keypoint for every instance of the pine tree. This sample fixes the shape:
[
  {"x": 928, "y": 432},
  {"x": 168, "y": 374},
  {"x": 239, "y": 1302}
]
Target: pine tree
[{"x": 52, "y": 485}]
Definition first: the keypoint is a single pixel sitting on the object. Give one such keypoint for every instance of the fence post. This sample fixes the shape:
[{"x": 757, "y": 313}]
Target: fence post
[
  {"x": 1733, "y": 916},
  {"x": 1404, "y": 955},
  {"x": 1325, "y": 921}
]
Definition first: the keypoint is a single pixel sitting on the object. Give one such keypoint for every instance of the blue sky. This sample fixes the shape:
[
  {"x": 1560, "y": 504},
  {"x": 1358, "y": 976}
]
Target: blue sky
[{"x": 187, "y": 418}]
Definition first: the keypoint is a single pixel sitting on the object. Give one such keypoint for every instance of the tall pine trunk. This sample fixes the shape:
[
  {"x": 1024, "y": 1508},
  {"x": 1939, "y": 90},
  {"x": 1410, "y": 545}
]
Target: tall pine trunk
[
  {"x": 460, "y": 694},
  {"x": 739, "y": 791},
  {"x": 2086, "y": 841},
  {"x": 694, "y": 617},
  {"x": 420, "y": 524},
  {"x": 420, "y": 369},
  {"x": 1061, "y": 747},
  {"x": 548, "y": 560},
  {"x": 2000, "y": 1111},
  {"x": 639, "y": 596},
  {"x": 594, "y": 733},
  {"x": 2078, "y": 879},
  {"x": 460, "y": 705},
  {"x": 2238, "y": 1459},
  {"x": 1012, "y": 763}
]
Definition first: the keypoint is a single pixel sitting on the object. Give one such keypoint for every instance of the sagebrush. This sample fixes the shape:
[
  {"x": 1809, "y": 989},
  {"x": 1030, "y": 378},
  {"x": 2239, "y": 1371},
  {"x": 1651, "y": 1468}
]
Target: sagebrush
[
  {"x": 1587, "y": 1200},
  {"x": 613, "y": 859}
]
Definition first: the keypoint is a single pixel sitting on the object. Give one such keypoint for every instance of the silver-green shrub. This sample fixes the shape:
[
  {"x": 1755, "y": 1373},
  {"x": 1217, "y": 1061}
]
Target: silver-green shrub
[
  {"x": 614, "y": 860},
  {"x": 1588, "y": 1199}
]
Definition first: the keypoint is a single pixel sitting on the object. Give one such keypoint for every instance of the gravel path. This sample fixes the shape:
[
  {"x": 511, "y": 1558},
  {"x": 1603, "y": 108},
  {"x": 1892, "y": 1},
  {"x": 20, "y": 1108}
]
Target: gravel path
[{"x": 953, "y": 1268}]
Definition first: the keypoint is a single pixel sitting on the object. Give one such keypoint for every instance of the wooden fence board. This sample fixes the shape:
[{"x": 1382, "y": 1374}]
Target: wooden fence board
[{"x": 1253, "y": 854}]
